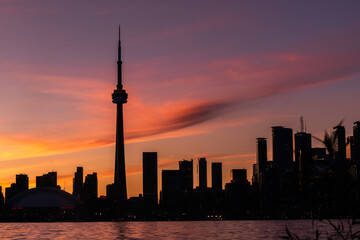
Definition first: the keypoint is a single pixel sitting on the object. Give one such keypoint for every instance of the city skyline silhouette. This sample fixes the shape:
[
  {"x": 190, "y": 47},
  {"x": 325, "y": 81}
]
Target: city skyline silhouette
[{"x": 201, "y": 88}]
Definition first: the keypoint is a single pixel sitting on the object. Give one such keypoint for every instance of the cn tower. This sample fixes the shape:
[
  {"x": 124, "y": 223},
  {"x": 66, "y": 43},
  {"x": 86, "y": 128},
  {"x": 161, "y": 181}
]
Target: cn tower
[{"x": 119, "y": 97}]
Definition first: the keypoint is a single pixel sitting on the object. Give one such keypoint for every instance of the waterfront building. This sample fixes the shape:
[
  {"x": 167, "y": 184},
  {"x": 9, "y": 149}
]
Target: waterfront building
[
  {"x": 339, "y": 145},
  {"x": 238, "y": 194},
  {"x": 356, "y": 157},
  {"x": 282, "y": 149},
  {"x": 303, "y": 159},
  {"x": 22, "y": 183},
  {"x": 2, "y": 199},
  {"x": 47, "y": 180},
  {"x": 10, "y": 192},
  {"x": 202, "y": 173},
  {"x": 216, "y": 176},
  {"x": 186, "y": 168},
  {"x": 261, "y": 157},
  {"x": 172, "y": 191},
  {"x": 91, "y": 187},
  {"x": 150, "y": 178},
  {"x": 282, "y": 139},
  {"x": 78, "y": 184},
  {"x": 217, "y": 189}
]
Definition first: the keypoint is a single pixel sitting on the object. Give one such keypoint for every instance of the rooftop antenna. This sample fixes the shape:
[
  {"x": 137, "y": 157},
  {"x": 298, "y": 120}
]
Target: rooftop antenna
[
  {"x": 119, "y": 33},
  {"x": 119, "y": 63},
  {"x": 301, "y": 124}
]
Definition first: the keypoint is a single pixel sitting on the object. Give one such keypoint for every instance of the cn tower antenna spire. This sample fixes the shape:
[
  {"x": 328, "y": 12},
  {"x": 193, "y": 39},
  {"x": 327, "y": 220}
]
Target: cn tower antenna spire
[
  {"x": 119, "y": 33},
  {"x": 119, "y": 63}
]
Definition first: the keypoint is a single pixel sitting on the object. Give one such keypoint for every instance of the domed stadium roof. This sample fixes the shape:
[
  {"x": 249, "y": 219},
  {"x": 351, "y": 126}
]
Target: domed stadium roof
[{"x": 43, "y": 197}]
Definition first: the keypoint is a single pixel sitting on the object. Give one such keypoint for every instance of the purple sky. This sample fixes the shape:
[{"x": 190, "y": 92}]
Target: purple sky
[{"x": 205, "y": 78}]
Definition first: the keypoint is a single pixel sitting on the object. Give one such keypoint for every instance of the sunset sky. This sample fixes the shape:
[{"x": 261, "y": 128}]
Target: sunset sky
[{"x": 204, "y": 78}]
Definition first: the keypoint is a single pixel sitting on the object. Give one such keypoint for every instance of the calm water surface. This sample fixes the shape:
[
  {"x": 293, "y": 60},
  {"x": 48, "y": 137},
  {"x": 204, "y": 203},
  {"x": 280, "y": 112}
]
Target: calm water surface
[{"x": 161, "y": 230}]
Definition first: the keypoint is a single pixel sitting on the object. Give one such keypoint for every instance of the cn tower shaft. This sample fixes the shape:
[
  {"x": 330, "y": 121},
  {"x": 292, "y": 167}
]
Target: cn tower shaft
[{"x": 119, "y": 97}]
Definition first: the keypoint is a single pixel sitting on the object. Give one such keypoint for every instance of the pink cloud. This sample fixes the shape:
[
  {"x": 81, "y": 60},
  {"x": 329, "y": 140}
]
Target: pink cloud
[
  {"x": 246, "y": 80},
  {"x": 171, "y": 105}
]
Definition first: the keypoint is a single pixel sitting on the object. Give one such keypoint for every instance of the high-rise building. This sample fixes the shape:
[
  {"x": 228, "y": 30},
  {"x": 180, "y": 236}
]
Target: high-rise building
[
  {"x": 339, "y": 145},
  {"x": 238, "y": 175},
  {"x": 202, "y": 173},
  {"x": 78, "y": 184},
  {"x": 356, "y": 129},
  {"x": 356, "y": 151},
  {"x": 2, "y": 199},
  {"x": 339, "y": 167},
  {"x": 10, "y": 192},
  {"x": 47, "y": 180},
  {"x": 238, "y": 197},
  {"x": 91, "y": 186},
  {"x": 302, "y": 145},
  {"x": 172, "y": 189},
  {"x": 303, "y": 158},
  {"x": 216, "y": 182},
  {"x": 261, "y": 156},
  {"x": 216, "y": 176},
  {"x": 186, "y": 168},
  {"x": 282, "y": 149},
  {"x": 150, "y": 178},
  {"x": 117, "y": 191},
  {"x": 283, "y": 161},
  {"x": 22, "y": 183}
]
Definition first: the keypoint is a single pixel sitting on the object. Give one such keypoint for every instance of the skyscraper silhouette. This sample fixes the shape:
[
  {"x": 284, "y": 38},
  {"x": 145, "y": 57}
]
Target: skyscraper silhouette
[
  {"x": 10, "y": 192},
  {"x": 150, "y": 178},
  {"x": 47, "y": 180},
  {"x": 283, "y": 160},
  {"x": 186, "y": 168},
  {"x": 22, "y": 183},
  {"x": 202, "y": 173},
  {"x": 78, "y": 184},
  {"x": 2, "y": 199},
  {"x": 261, "y": 157},
  {"x": 238, "y": 175},
  {"x": 339, "y": 145},
  {"x": 237, "y": 193},
  {"x": 216, "y": 176},
  {"x": 282, "y": 149},
  {"x": 172, "y": 189},
  {"x": 303, "y": 159},
  {"x": 356, "y": 152},
  {"x": 117, "y": 191},
  {"x": 91, "y": 187}
]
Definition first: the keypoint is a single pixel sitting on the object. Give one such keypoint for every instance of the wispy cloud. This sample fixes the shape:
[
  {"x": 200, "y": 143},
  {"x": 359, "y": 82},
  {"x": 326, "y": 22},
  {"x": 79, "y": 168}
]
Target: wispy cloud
[
  {"x": 189, "y": 99},
  {"x": 236, "y": 82},
  {"x": 190, "y": 116}
]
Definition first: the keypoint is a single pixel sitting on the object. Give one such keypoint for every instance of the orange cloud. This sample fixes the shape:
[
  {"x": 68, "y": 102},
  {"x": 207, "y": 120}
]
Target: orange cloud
[
  {"x": 68, "y": 114},
  {"x": 261, "y": 77}
]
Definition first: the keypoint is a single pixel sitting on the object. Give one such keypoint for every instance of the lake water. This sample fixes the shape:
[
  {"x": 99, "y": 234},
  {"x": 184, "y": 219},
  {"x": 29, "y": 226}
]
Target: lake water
[{"x": 272, "y": 229}]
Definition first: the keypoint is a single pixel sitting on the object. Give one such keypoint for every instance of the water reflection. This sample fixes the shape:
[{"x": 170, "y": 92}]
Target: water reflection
[{"x": 163, "y": 230}]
